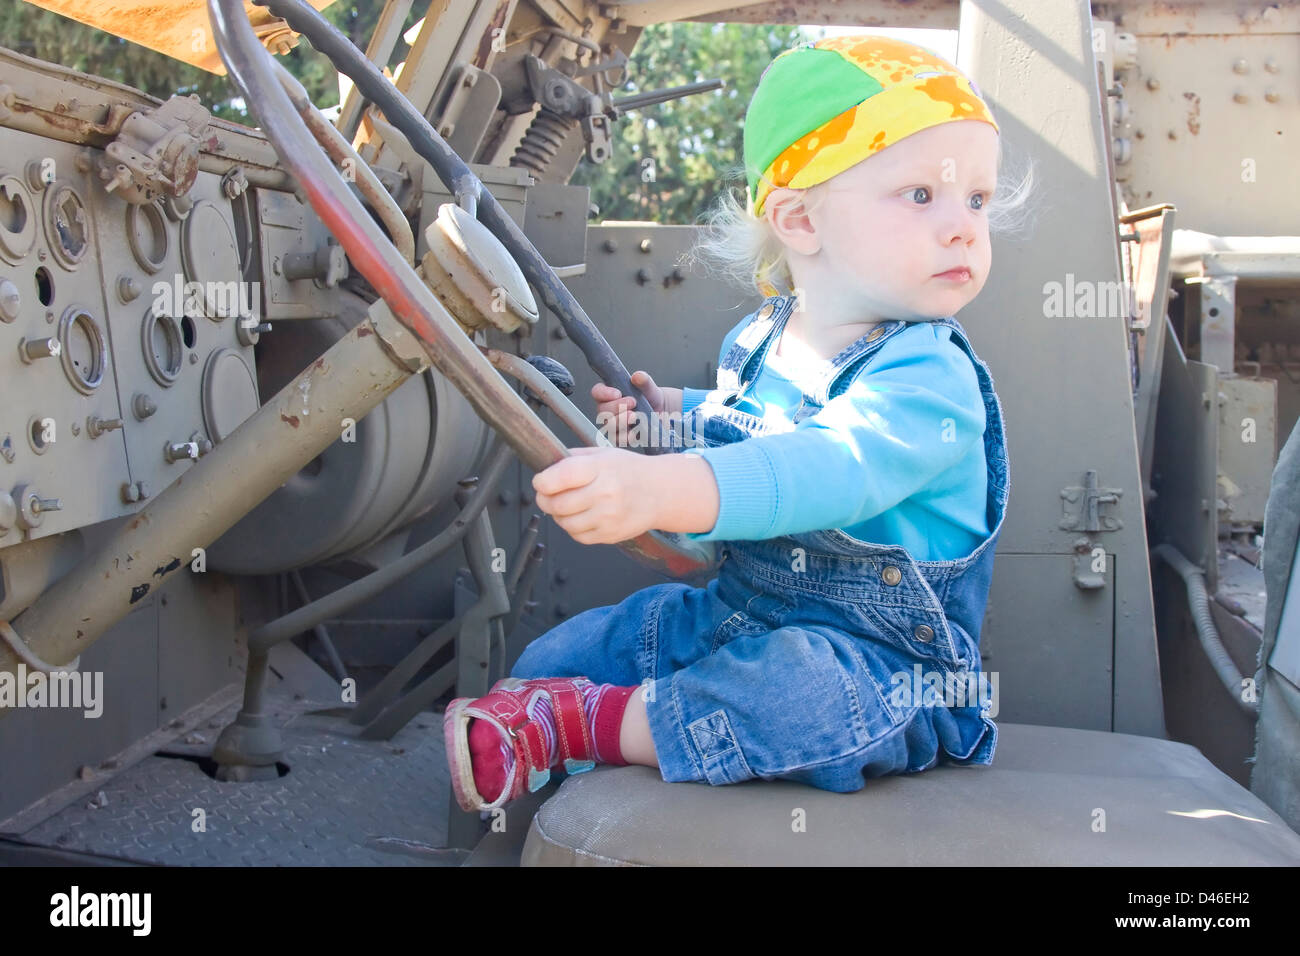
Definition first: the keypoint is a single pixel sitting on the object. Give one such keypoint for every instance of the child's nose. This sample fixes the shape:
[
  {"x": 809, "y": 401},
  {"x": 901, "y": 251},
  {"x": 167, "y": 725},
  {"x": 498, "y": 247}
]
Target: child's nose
[{"x": 957, "y": 223}]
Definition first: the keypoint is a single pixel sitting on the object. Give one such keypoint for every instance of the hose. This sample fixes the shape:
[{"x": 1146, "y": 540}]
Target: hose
[
  {"x": 1198, "y": 602},
  {"x": 28, "y": 656},
  {"x": 341, "y": 151}
]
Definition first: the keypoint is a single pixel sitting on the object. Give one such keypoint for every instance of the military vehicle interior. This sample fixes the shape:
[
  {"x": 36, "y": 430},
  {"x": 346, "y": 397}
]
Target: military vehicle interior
[{"x": 273, "y": 397}]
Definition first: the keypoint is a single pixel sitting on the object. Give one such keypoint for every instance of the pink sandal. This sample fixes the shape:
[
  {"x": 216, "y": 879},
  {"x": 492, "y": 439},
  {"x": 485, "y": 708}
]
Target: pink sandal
[{"x": 505, "y": 707}]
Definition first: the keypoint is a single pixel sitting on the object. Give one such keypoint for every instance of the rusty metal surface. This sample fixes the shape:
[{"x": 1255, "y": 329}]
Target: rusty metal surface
[{"x": 60, "y": 103}]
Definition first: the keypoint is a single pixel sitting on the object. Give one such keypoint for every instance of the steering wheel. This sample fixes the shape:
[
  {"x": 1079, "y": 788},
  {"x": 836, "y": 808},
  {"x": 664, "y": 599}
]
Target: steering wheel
[{"x": 412, "y": 302}]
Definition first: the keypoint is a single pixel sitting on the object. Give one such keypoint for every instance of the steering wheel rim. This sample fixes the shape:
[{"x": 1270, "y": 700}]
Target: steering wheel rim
[{"x": 414, "y": 305}]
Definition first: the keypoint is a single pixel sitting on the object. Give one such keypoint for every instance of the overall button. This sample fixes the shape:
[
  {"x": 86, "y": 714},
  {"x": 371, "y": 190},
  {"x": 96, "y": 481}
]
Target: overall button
[
  {"x": 766, "y": 310},
  {"x": 875, "y": 333},
  {"x": 924, "y": 633},
  {"x": 891, "y": 575}
]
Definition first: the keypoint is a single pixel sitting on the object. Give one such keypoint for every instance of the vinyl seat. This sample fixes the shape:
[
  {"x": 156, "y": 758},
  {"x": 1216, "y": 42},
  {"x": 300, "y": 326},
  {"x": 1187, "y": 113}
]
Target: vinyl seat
[{"x": 1053, "y": 796}]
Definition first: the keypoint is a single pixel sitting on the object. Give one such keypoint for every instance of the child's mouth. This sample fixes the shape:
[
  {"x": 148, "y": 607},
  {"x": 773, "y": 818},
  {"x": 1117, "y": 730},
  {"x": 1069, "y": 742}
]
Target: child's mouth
[{"x": 956, "y": 275}]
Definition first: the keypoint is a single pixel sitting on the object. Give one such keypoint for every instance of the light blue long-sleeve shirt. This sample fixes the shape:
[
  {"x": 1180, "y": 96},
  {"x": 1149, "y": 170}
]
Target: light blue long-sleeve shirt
[{"x": 897, "y": 458}]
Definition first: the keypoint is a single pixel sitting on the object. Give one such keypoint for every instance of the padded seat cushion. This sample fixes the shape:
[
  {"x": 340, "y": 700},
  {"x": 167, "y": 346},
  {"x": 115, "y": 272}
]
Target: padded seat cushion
[{"x": 1040, "y": 803}]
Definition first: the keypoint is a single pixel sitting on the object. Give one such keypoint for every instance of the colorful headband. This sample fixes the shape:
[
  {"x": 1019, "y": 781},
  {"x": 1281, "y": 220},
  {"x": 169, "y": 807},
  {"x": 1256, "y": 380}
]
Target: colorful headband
[{"x": 822, "y": 107}]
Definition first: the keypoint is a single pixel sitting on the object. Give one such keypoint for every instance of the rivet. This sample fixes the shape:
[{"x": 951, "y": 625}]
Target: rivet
[
  {"x": 1240, "y": 97},
  {"x": 1240, "y": 66},
  {"x": 1153, "y": 83},
  {"x": 128, "y": 289},
  {"x": 891, "y": 575},
  {"x": 924, "y": 633},
  {"x": 1270, "y": 94}
]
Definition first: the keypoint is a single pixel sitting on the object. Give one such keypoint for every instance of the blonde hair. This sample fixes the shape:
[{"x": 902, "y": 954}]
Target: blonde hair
[{"x": 743, "y": 249}]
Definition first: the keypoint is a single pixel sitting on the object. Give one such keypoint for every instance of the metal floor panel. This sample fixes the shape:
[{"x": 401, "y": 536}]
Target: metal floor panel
[{"x": 344, "y": 801}]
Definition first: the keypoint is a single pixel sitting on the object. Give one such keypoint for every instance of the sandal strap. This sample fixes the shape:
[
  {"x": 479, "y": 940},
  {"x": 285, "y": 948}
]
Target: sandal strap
[
  {"x": 507, "y": 709},
  {"x": 574, "y": 740}
]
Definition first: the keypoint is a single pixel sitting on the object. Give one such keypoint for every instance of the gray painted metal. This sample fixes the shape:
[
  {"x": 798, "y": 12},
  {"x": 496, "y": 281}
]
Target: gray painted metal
[
  {"x": 176, "y": 649},
  {"x": 1075, "y": 366},
  {"x": 349, "y": 380}
]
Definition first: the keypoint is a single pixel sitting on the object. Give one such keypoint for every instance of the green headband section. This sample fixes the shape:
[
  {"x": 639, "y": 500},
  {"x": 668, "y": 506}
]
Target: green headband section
[{"x": 800, "y": 90}]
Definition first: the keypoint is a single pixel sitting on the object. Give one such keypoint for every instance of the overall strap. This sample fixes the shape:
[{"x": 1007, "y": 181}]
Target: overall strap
[
  {"x": 749, "y": 350},
  {"x": 845, "y": 366}
]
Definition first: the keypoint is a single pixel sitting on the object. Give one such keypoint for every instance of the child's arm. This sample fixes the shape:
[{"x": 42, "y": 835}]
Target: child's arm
[
  {"x": 606, "y": 495},
  {"x": 897, "y": 429}
]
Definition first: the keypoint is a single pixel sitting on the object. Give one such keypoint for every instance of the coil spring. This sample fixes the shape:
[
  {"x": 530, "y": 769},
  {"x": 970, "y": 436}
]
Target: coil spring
[{"x": 539, "y": 146}]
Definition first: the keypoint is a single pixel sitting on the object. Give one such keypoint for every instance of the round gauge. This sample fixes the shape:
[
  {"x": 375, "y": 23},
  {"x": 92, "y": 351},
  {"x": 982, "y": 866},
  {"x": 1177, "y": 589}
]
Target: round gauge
[
  {"x": 83, "y": 349},
  {"x": 210, "y": 255},
  {"x": 164, "y": 347},
  {"x": 17, "y": 220},
  {"x": 146, "y": 234},
  {"x": 67, "y": 224}
]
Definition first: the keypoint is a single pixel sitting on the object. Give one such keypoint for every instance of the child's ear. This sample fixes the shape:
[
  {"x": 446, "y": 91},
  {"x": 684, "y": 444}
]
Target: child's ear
[{"x": 787, "y": 214}]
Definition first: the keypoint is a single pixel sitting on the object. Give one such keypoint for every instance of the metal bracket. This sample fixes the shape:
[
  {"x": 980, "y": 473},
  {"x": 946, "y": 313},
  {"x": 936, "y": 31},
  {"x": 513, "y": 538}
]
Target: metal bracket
[
  {"x": 1087, "y": 577},
  {"x": 1081, "y": 505},
  {"x": 156, "y": 152}
]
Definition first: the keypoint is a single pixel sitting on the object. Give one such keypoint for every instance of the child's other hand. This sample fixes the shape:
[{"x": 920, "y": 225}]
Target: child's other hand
[
  {"x": 614, "y": 408},
  {"x": 599, "y": 495}
]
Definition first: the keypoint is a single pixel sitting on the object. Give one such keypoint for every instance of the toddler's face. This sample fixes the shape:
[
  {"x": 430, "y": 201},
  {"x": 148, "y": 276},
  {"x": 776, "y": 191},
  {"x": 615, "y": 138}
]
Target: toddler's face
[{"x": 889, "y": 226}]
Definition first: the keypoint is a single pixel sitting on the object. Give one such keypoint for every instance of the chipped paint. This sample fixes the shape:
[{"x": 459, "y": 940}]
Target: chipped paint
[
  {"x": 165, "y": 569},
  {"x": 139, "y": 591},
  {"x": 1193, "y": 113},
  {"x": 291, "y": 419}
]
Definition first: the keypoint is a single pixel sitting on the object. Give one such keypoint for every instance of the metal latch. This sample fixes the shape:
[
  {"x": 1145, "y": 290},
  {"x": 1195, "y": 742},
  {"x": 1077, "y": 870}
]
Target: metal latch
[{"x": 1082, "y": 506}]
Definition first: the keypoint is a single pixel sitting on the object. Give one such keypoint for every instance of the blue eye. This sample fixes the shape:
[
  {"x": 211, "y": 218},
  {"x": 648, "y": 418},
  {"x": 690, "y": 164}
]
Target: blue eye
[
  {"x": 983, "y": 198},
  {"x": 918, "y": 189}
]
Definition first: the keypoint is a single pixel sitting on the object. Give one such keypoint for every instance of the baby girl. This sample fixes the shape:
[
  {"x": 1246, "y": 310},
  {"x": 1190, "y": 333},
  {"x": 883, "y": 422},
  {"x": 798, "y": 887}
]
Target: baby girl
[{"x": 850, "y": 463}]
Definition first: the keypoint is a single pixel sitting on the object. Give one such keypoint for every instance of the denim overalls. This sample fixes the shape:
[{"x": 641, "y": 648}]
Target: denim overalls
[{"x": 813, "y": 657}]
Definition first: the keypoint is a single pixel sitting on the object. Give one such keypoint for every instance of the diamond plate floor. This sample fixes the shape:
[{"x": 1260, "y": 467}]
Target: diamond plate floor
[{"x": 344, "y": 802}]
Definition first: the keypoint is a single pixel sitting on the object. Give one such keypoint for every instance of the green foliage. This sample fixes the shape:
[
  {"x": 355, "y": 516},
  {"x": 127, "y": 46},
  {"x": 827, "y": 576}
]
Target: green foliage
[{"x": 691, "y": 144}]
